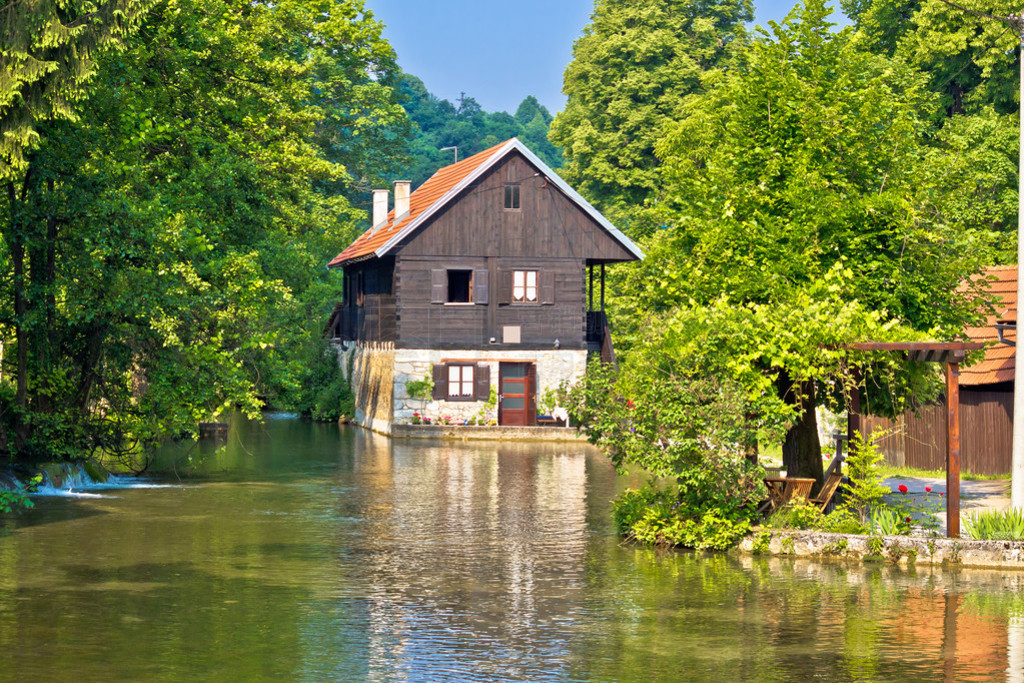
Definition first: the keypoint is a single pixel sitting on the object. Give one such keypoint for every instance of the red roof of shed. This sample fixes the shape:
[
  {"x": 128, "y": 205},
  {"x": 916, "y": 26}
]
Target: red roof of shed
[{"x": 999, "y": 362}]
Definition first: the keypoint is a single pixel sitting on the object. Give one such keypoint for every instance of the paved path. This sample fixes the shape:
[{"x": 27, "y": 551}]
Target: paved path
[{"x": 975, "y": 495}]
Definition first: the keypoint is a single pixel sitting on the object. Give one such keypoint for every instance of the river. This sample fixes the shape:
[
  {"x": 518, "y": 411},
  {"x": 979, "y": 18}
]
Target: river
[{"x": 312, "y": 552}]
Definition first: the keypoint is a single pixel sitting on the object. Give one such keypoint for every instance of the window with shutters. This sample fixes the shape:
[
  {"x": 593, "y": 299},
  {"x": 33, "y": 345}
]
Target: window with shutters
[
  {"x": 461, "y": 381},
  {"x": 459, "y": 286},
  {"x": 524, "y": 286}
]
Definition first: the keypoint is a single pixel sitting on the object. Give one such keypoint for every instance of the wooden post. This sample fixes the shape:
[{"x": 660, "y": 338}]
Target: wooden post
[
  {"x": 953, "y": 450},
  {"x": 591, "y": 269},
  {"x": 602, "y": 288},
  {"x": 853, "y": 410}
]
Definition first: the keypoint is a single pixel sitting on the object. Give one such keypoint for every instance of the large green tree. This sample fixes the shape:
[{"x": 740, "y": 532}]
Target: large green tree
[
  {"x": 804, "y": 184},
  {"x": 48, "y": 52},
  {"x": 168, "y": 247},
  {"x": 631, "y": 71}
]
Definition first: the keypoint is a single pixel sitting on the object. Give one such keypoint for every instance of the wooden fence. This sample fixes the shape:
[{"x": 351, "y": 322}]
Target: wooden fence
[{"x": 986, "y": 433}]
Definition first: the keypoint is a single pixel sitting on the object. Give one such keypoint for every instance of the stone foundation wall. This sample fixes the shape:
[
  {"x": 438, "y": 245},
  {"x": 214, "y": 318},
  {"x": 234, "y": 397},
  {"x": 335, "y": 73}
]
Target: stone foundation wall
[
  {"x": 373, "y": 371},
  {"x": 553, "y": 367}
]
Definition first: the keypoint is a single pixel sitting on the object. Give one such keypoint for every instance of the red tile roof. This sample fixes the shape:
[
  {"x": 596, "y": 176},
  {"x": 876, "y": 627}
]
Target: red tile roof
[
  {"x": 435, "y": 188},
  {"x": 998, "y": 364}
]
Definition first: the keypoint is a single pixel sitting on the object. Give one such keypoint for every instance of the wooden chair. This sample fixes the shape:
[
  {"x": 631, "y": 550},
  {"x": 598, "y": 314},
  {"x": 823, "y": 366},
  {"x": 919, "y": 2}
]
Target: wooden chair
[{"x": 828, "y": 489}]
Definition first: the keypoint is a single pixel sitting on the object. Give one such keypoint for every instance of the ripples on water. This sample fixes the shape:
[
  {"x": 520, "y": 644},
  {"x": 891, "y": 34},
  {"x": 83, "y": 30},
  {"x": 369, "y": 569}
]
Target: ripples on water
[{"x": 313, "y": 552}]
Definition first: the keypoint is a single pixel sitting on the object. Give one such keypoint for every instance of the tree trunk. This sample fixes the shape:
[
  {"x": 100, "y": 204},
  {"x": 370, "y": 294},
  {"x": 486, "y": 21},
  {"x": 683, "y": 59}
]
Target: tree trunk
[
  {"x": 17, "y": 250},
  {"x": 801, "y": 451}
]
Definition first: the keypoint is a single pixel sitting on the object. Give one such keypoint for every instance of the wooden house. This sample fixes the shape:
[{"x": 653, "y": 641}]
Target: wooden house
[
  {"x": 918, "y": 438},
  {"x": 486, "y": 282}
]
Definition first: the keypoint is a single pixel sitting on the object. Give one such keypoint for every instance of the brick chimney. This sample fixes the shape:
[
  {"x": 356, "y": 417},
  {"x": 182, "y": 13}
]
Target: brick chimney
[
  {"x": 380, "y": 207},
  {"x": 402, "y": 190}
]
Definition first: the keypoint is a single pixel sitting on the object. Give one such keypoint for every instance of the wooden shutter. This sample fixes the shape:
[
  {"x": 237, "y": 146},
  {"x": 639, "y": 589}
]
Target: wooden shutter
[
  {"x": 440, "y": 374},
  {"x": 481, "y": 290},
  {"x": 504, "y": 287},
  {"x": 547, "y": 287},
  {"x": 482, "y": 380},
  {"x": 438, "y": 286}
]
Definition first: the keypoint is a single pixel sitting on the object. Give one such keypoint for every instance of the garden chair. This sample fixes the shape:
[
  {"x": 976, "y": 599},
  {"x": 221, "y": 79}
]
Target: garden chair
[{"x": 828, "y": 489}]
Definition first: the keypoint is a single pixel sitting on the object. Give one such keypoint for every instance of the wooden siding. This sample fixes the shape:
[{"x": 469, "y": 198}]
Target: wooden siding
[
  {"x": 986, "y": 433},
  {"x": 547, "y": 224},
  {"x": 369, "y": 309},
  {"x": 423, "y": 324}
]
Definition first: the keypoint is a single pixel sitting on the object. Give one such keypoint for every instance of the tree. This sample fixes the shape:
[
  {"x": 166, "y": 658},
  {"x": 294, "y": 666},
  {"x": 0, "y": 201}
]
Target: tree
[
  {"x": 47, "y": 58},
  {"x": 468, "y": 127},
  {"x": 799, "y": 208},
  {"x": 971, "y": 64},
  {"x": 171, "y": 242},
  {"x": 630, "y": 73}
]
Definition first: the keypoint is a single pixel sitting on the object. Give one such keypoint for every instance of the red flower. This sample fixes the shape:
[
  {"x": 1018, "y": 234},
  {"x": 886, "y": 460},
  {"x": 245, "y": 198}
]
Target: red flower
[
  {"x": 908, "y": 519},
  {"x": 629, "y": 403},
  {"x": 903, "y": 488},
  {"x": 927, "y": 489},
  {"x": 940, "y": 494}
]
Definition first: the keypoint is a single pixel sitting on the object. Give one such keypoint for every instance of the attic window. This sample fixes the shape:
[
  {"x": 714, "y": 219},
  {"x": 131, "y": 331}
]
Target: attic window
[
  {"x": 511, "y": 195},
  {"x": 460, "y": 286}
]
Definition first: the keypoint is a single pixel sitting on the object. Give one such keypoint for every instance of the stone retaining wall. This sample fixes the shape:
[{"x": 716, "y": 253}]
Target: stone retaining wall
[
  {"x": 372, "y": 380},
  {"x": 903, "y": 550}
]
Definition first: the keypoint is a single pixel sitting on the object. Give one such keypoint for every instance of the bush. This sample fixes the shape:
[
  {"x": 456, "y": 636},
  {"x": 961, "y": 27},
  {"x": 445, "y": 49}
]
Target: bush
[
  {"x": 842, "y": 521},
  {"x": 795, "y": 517},
  {"x": 656, "y": 517}
]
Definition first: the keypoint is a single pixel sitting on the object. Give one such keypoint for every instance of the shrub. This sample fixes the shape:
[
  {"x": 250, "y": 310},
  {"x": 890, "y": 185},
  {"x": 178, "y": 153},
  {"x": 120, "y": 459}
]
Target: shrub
[
  {"x": 842, "y": 521},
  {"x": 866, "y": 488},
  {"x": 795, "y": 517},
  {"x": 421, "y": 389}
]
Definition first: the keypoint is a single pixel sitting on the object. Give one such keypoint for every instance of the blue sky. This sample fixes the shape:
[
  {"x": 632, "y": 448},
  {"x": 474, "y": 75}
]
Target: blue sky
[{"x": 496, "y": 52}]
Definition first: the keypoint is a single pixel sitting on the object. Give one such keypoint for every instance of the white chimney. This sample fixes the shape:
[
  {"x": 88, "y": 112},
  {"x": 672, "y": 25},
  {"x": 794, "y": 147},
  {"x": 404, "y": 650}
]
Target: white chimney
[
  {"x": 402, "y": 190},
  {"x": 380, "y": 207}
]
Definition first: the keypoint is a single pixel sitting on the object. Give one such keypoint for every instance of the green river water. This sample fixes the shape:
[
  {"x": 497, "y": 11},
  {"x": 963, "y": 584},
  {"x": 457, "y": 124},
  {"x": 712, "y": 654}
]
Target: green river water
[{"x": 316, "y": 552}]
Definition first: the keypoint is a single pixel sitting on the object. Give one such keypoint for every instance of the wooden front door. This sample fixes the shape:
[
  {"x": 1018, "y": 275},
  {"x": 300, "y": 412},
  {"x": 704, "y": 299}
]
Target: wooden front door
[{"x": 516, "y": 401}]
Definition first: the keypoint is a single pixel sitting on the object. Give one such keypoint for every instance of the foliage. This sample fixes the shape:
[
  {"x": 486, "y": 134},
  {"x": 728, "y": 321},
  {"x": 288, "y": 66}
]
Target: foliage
[
  {"x": 164, "y": 253},
  {"x": 677, "y": 428},
  {"x": 837, "y": 547},
  {"x": 795, "y": 516},
  {"x": 866, "y": 488},
  {"x": 995, "y": 525},
  {"x": 17, "y": 500},
  {"x": 761, "y": 544},
  {"x": 421, "y": 389},
  {"x": 842, "y": 521},
  {"x": 875, "y": 546},
  {"x": 971, "y": 60},
  {"x": 630, "y": 72},
  {"x": 47, "y": 60},
  {"x": 439, "y": 124}
]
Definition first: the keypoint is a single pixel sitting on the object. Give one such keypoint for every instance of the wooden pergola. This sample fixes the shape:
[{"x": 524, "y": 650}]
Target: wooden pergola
[{"x": 950, "y": 354}]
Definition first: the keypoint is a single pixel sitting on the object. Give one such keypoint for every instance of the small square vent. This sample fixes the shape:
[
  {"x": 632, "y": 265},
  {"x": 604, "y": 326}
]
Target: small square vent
[{"x": 510, "y": 334}]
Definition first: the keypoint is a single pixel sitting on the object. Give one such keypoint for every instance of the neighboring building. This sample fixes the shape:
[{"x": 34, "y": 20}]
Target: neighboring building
[
  {"x": 986, "y": 398},
  {"x": 489, "y": 276}
]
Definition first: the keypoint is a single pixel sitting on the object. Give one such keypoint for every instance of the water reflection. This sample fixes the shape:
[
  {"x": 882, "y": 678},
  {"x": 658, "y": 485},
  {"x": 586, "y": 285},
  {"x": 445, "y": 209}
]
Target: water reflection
[{"x": 313, "y": 552}]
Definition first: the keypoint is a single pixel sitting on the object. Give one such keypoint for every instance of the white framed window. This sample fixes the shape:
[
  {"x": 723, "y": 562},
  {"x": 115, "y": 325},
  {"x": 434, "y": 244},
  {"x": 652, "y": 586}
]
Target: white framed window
[
  {"x": 460, "y": 381},
  {"x": 524, "y": 286}
]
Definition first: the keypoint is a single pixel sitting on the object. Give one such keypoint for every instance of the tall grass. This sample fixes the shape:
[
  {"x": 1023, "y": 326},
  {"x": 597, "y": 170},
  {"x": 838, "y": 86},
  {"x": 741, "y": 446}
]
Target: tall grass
[{"x": 995, "y": 525}]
